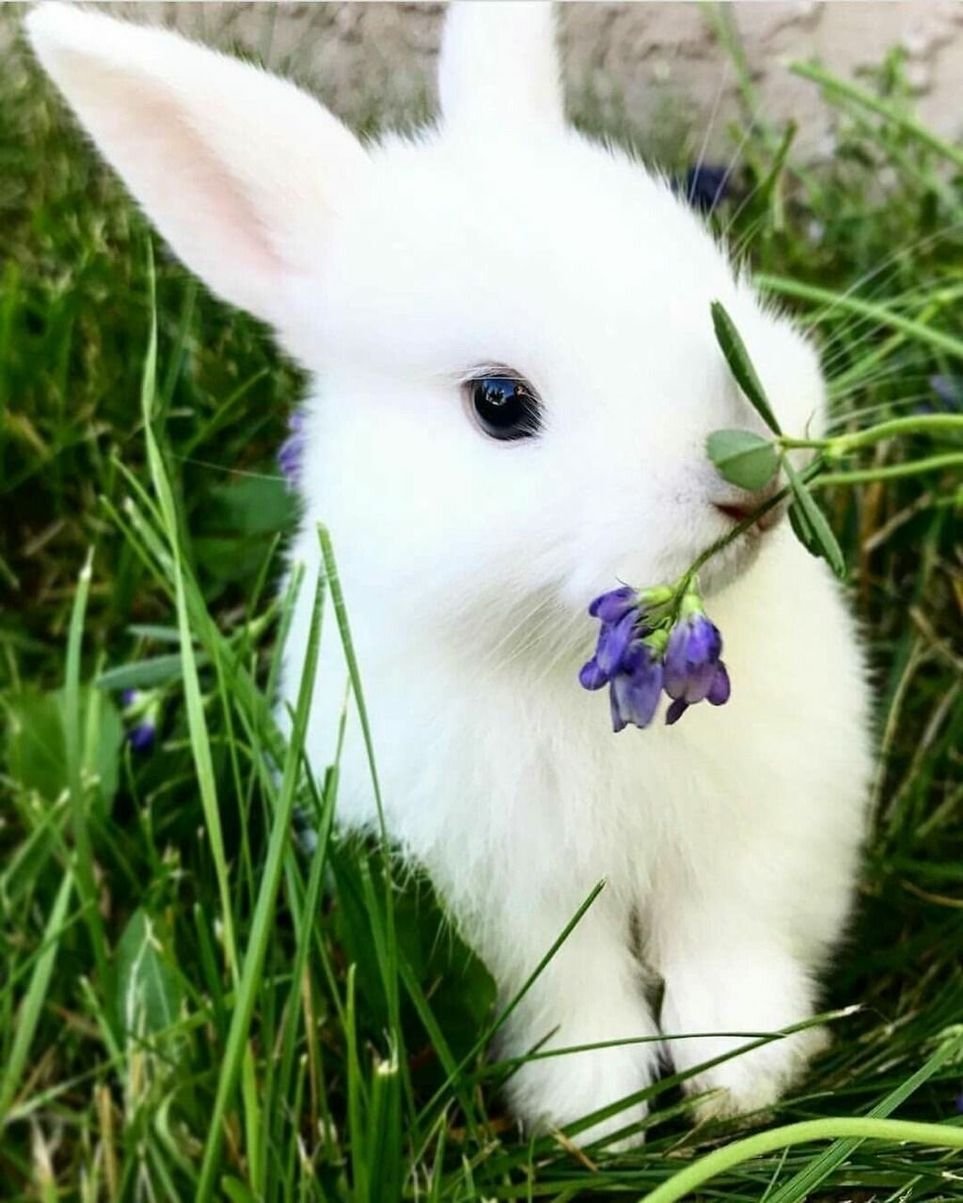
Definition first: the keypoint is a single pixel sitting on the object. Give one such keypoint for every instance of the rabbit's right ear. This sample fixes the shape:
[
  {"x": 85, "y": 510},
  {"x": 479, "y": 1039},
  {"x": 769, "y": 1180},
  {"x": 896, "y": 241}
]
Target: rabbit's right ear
[
  {"x": 499, "y": 68},
  {"x": 239, "y": 169}
]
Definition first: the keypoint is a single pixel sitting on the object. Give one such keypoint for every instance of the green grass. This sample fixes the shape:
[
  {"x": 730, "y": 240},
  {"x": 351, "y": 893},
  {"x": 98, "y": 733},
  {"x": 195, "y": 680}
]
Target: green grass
[{"x": 192, "y": 1004}]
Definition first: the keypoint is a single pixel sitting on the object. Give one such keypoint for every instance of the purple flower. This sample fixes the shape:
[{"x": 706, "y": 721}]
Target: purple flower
[
  {"x": 645, "y": 647},
  {"x": 142, "y": 736},
  {"x": 144, "y": 708},
  {"x": 692, "y": 658},
  {"x": 291, "y": 451},
  {"x": 634, "y": 692},
  {"x": 621, "y": 617}
]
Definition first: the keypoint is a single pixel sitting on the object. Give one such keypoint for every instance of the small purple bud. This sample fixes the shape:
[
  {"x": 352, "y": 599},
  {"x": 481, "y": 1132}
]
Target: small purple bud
[
  {"x": 591, "y": 676},
  {"x": 141, "y": 737},
  {"x": 129, "y": 697},
  {"x": 613, "y": 606},
  {"x": 958, "y": 1103},
  {"x": 720, "y": 688}
]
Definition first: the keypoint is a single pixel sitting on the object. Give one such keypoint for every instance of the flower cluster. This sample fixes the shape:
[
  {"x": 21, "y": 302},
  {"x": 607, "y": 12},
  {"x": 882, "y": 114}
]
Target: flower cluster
[{"x": 654, "y": 641}]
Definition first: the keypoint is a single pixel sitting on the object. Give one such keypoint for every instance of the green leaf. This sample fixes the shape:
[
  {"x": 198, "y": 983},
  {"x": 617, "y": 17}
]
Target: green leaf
[
  {"x": 810, "y": 525},
  {"x": 801, "y": 529},
  {"x": 737, "y": 357},
  {"x": 146, "y": 674},
  {"x": 148, "y": 990},
  {"x": 36, "y": 749},
  {"x": 743, "y": 458}
]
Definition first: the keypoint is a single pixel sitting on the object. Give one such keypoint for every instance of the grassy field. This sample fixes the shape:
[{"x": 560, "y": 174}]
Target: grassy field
[{"x": 194, "y": 1004}]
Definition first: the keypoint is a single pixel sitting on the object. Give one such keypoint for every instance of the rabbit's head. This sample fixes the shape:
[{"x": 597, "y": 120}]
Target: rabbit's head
[{"x": 510, "y": 323}]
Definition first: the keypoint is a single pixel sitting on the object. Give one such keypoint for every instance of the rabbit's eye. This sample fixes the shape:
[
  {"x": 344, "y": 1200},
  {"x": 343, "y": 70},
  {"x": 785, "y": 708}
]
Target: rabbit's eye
[{"x": 504, "y": 406}]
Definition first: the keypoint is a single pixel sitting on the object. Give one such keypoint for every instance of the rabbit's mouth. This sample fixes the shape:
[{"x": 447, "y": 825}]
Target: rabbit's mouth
[
  {"x": 738, "y": 556},
  {"x": 738, "y": 512}
]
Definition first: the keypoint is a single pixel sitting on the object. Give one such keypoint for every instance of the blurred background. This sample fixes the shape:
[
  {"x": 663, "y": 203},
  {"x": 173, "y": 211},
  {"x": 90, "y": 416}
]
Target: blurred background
[{"x": 656, "y": 66}]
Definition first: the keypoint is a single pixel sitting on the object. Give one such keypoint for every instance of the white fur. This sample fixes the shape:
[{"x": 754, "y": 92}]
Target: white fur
[{"x": 503, "y": 237}]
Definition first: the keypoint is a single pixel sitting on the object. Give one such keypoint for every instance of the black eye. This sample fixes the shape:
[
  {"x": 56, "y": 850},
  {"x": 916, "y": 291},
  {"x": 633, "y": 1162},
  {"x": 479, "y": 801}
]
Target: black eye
[{"x": 504, "y": 407}]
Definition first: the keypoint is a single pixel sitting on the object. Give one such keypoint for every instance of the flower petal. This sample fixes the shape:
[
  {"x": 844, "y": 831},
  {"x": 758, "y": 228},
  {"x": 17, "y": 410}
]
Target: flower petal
[
  {"x": 613, "y": 644},
  {"x": 591, "y": 676},
  {"x": 614, "y": 605},
  {"x": 636, "y": 694},
  {"x": 619, "y": 722},
  {"x": 721, "y": 687},
  {"x": 676, "y": 711}
]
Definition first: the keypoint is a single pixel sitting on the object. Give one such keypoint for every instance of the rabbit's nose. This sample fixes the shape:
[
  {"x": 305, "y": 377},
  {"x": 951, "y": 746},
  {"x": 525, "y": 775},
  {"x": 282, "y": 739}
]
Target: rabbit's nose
[{"x": 740, "y": 506}]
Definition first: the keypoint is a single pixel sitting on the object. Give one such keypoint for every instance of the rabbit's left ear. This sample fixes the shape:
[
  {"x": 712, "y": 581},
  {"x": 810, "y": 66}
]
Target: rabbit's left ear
[
  {"x": 499, "y": 68},
  {"x": 239, "y": 170}
]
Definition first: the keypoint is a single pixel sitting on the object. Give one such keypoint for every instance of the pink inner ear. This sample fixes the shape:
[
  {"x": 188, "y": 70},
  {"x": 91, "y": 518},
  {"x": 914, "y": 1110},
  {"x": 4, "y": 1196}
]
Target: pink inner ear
[
  {"x": 204, "y": 209},
  {"x": 198, "y": 204}
]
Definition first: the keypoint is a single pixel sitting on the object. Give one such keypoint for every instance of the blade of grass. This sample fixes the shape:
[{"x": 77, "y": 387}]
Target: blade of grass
[
  {"x": 819, "y": 1169},
  {"x": 939, "y": 340},
  {"x": 28, "y": 1014},
  {"x": 264, "y": 912},
  {"x": 857, "y": 95},
  {"x": 84, "y": 865},
  {"x": 689, "y": 1179}
]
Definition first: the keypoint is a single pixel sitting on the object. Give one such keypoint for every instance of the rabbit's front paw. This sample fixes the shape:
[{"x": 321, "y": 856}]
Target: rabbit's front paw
[
  {"x": 757, "y": 1079},
  {"x": 719, "y": 1003},
  {"x": 553, "y": 1092}
]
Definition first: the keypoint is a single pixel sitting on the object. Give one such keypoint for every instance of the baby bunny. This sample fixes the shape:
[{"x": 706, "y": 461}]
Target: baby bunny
[{"x": 516, "y": 374}]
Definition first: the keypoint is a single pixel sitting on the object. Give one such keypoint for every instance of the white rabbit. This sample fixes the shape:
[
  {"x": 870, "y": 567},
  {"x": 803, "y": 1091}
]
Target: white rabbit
[{"x": 500, "y": 243}]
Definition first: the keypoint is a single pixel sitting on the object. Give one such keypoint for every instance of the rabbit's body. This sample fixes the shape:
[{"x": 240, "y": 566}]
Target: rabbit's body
[
  {"x": 728, "y": 843},
  {"x": 503, "y": 244}
]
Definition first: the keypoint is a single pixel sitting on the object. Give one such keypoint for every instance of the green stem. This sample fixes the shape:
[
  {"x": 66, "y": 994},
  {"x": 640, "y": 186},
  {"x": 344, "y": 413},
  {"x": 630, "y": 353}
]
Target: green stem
[
  {"x": 933, "y": 463},
  {"x": 921, "y": 424},
  {"x": 840, "y": 444},
  {"x": 940, "y": 1136}
]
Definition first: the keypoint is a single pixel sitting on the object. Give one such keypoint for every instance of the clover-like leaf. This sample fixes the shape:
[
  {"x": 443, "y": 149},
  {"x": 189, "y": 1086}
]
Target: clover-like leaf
[
  {"x": 737, "y": 357},
  {"x": 743, "y": 458}
]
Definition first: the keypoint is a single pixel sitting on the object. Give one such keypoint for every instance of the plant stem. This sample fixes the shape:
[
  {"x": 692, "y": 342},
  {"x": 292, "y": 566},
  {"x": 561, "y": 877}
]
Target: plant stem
[
  {"x": 861, "y": 1128},
  {"x": 842, "y": 443},
  {"x": 740, "y": 529},
  {"x": 921, "y": 424},
  {"x": 933, "y": 463}
]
